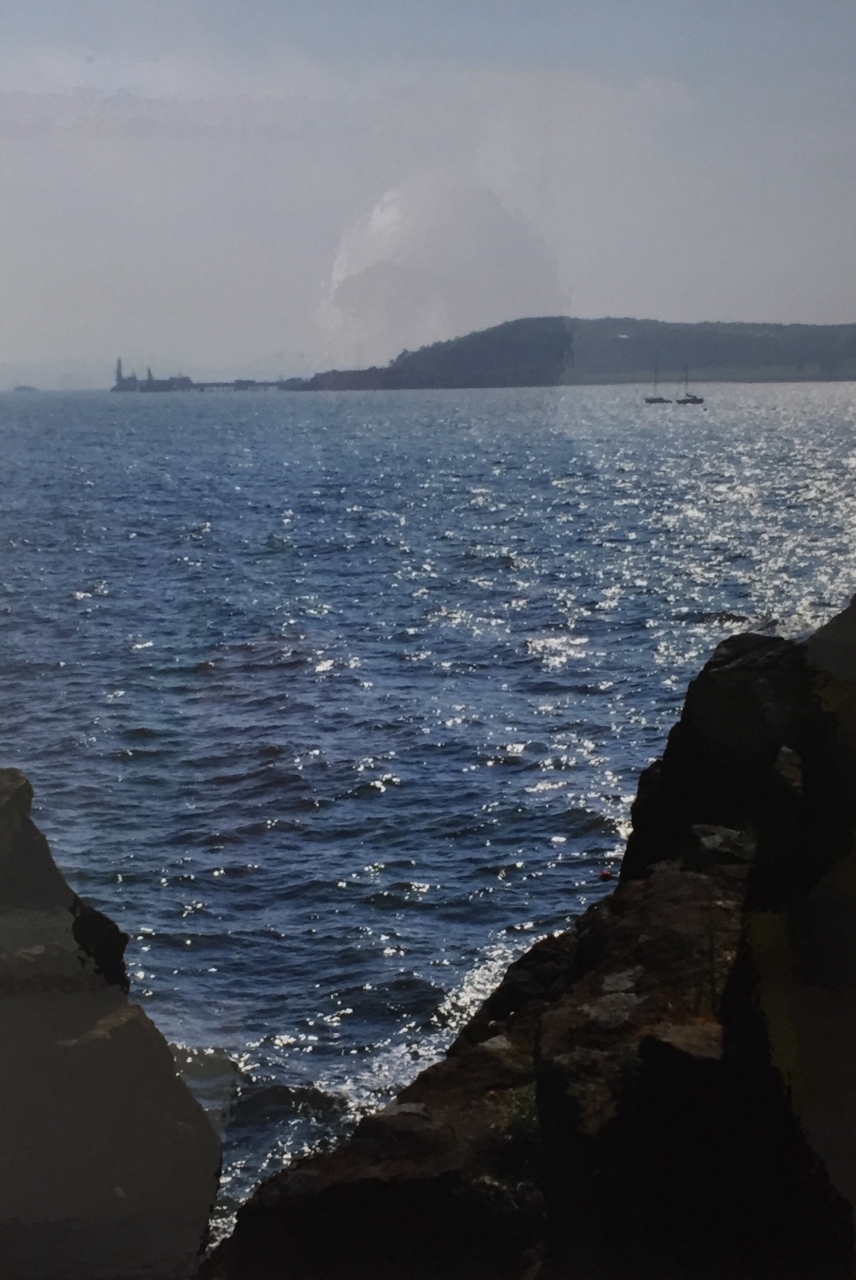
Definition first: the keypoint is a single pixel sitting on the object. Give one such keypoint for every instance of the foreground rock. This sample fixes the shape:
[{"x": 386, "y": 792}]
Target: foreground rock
[
  {"x": 441, "y": 1183},
  {"x": 108, "y": 1167},
  {"x": 669, "y": 1091}
]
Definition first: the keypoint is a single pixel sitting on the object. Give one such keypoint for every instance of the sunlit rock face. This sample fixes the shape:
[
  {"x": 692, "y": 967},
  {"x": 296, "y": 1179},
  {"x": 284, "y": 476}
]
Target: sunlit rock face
[{"x": 108, "y": 1166}]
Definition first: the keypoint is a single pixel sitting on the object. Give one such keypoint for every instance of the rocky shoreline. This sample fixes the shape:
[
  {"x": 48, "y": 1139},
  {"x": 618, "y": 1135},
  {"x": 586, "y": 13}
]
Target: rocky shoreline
[
  {"x": 108, "y": 1165},
  {"x": 668, "y": 1090},
  {"x": 665, "y": 1092}
]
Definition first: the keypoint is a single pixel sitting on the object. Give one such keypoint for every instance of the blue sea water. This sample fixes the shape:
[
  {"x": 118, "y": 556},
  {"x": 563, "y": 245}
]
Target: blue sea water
[{"x": 336, "y": 702}]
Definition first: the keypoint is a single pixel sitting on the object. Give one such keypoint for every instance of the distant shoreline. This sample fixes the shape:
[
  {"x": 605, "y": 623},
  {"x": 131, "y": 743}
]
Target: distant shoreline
[
  {"x": 666, "y": 381},
  {"x": 558, "y": 351}
]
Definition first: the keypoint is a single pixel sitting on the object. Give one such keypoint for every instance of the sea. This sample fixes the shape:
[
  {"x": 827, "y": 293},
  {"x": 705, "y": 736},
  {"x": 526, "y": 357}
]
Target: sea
[{"x": 336, "y": 702}]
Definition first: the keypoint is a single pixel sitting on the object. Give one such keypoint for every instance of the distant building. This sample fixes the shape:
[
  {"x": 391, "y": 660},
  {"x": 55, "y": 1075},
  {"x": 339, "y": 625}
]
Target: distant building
[{"x": 150, "y": 383}]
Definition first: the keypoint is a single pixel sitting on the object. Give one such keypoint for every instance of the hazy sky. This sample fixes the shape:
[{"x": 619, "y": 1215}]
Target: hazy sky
[{"x": 265, "y": 186}]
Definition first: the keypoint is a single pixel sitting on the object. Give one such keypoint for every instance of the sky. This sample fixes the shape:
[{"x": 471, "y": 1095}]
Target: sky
[{"x": 260, "y": 187}]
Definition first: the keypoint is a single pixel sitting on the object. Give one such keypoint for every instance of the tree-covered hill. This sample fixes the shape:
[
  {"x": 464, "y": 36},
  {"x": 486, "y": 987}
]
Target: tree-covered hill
[
  {"x": 557, "y": 351},
  {"x": 520, "y": 353},
  {"x": 627, "y": 350}
]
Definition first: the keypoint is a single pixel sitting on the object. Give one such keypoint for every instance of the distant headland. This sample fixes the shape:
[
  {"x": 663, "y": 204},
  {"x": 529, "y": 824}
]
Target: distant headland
[{"x": 552, "y": 351}]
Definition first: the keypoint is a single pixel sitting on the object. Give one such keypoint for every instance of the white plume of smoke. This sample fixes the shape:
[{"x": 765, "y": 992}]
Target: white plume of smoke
[{"x": 433, "y": 257}]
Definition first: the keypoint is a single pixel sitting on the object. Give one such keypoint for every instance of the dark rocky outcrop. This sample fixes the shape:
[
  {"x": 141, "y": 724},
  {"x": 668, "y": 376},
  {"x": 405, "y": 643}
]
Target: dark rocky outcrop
[
  {"x": 441, "y": 1183},
  {"x": 108, "y": 1167},
  {"x": 668, "y": 1092}
]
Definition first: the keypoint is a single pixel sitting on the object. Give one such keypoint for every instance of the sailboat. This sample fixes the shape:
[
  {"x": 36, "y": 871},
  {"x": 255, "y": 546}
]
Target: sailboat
[
  {"x": 656, "y": 398},
  {"x": 688, "y": 397}
]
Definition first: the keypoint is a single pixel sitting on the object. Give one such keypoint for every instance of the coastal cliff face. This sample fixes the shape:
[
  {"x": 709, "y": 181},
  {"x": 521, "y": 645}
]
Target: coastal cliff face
[
  {"x": 668, "y": 1091},
  {"x": 108, "y": 1167}
]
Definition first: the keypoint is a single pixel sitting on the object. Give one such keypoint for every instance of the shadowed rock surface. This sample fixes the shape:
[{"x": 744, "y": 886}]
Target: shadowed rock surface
[
  {"x": 108, "y": 1167},
  {"x": 667, "y": 1092}
]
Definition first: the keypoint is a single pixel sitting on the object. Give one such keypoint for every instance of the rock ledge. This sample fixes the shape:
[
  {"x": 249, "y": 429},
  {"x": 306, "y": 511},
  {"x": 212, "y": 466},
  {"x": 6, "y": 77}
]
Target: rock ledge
[{"x": 108, "y": 1167}]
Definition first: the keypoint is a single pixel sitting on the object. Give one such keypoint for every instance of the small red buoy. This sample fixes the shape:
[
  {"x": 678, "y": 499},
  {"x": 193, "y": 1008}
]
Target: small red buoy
[{"x": 606, "y": 875}]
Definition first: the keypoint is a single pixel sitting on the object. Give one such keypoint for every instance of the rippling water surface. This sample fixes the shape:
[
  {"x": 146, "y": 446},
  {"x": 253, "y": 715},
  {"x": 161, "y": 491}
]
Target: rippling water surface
[{"x": 336, "y": 702}]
